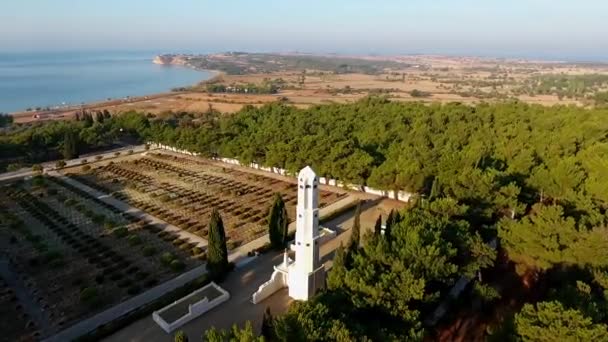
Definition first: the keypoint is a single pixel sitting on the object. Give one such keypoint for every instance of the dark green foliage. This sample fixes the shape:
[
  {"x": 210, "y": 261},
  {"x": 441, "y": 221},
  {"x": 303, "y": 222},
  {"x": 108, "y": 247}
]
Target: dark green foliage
[
  {"x": 388, "y": 226},
  {"x": 267, "y": 325},
  {"x": 550, "y": 321},
  {"x": 149, "y": 250},
  {"x": 5, "y": 120},
  {"x": 378, "y": 226},
  {"x": 355, "y": 232},
  {"x": 278, "y": 223},
  {"x": 177, "y": 266},
  {"x": 217, "y": 253},
  {"x": 245, "y": 334},
  {"x": 120, "y": 232},
  {"x": 167, "y": 258},
  {"x": 89, "y": 295},
  {"x": 70, "y": 145},
  {"x": 180, "y": 336},
  {"x": 335, "y": 278},
  {"x": 419, "y": 93}
]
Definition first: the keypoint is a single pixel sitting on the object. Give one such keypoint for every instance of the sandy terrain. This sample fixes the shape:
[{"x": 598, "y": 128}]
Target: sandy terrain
[{"x": 442, "y": 79}]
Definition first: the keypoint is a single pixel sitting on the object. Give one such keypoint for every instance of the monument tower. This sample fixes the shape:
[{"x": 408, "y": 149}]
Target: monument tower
[{"x": 306, "y": 275}]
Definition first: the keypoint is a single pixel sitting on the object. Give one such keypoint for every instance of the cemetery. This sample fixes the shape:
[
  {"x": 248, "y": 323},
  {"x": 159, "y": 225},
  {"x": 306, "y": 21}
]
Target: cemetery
[{"x": 182, "y": 191}]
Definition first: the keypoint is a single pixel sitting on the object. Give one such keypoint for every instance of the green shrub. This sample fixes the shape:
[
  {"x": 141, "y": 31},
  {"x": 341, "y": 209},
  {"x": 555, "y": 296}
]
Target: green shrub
[
  {"x": 120, "y": 232},
  {"x": 60, "y": 164},
  {"x": 180, "y": 336},
  {"x": 38, "y": 181},
  {"x": 133, "y": 290},
  {"x": 109, "y": 224},
  {"x": 141, "y": 275},
  {"x": 167, "y": 258},
  {"x": 177, "y": 265},
  {"x": 86, "y": 168},
  {"x": 125, "y": 283},
  {"x": 89, "y": 295},
  {"x": 148, "y": 251},
  {"x": 134, "y": 240},
  {"x": 97, "y": 218},
  {"x": 70, "y": 202}
]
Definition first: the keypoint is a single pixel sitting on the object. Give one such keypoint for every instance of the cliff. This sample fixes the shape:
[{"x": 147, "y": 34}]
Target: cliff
[{"x": 171, "y": 60}]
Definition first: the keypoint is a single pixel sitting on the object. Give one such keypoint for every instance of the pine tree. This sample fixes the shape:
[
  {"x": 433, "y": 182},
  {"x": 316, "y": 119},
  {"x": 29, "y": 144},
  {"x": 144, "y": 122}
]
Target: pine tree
[
  {"x": 278, "y": 223},
  {"x": 355, "y": 234},
  {"x": 217, "y": 254},
  {"x": 268, "y": 325},
  {"x": 378, "y": 226}
]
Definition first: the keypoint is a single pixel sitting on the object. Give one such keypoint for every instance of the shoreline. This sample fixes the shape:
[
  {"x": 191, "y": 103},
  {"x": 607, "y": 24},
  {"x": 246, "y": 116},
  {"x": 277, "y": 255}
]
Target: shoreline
[{"x": 57, "y": 110}]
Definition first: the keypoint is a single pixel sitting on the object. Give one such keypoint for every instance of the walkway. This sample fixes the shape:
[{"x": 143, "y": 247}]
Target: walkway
[
  {"x": 241, "y": 284},
  {"x": 124, "y": 207},
  {"x": 50, "y": 166}
]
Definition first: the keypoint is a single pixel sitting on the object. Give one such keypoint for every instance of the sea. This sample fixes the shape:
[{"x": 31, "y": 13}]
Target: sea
[{"x": 57, "y": 79}]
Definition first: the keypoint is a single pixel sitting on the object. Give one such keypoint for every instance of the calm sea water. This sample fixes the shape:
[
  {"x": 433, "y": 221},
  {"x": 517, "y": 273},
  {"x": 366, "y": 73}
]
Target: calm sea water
[{"x": 50, "y": 79}]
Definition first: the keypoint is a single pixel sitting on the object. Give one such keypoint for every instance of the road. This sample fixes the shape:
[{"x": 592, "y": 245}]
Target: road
[{"x": 50, "y": 166}]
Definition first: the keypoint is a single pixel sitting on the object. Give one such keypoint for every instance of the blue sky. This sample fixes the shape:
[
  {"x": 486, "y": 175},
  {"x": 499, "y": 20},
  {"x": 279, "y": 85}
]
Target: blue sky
[{"x": 541, "y": 28}]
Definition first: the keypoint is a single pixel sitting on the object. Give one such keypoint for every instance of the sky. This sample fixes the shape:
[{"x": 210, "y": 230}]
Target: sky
[{"x": 505, "y": 28}]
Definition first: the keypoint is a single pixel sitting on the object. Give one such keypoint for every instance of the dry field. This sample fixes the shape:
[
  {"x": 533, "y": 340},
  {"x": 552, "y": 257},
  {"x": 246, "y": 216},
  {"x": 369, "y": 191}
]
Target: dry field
[{"x": 442, "y": 79}]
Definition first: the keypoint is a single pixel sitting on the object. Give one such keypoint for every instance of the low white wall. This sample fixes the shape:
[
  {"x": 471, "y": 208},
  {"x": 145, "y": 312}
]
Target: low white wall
[
  {"x": 277, "y": 281},
  {"x": 326, "y": 235},
  {"x": 401, "y": 195},
  {"x": 194, "y": 310}
]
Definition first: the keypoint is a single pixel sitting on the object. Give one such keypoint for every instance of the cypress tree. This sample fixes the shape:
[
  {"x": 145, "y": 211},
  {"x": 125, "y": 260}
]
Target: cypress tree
[
  {"x": 268, "y": 325},
  {"x": 335, "y": 278},
  {"x": 378, "y": 226},
  {"x": 217, "y": 253},
  {"x": 70, "y": 149},
  {"x": 435, "y": 189},
  {"x": 278, "y": 223},
  {"x": 389, "y": 225},
  {"x": 355, "y": 234}
]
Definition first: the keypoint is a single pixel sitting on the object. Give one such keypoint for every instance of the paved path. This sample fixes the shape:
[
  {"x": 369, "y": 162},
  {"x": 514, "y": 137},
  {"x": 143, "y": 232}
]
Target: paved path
[
  {"x": 30, "y": 307},
  {"x": 50, "y": 166},
  {"x": 241, "y": 284},
  {"x": 124, "y": 207}
]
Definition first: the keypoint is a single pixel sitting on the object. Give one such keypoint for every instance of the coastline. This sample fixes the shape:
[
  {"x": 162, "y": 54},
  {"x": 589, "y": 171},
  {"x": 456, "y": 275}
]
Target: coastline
[{"x": 45, "y": 111}]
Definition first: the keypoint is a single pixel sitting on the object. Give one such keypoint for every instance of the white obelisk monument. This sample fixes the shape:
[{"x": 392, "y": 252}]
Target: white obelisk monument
[{"x": 306, "y": 275}]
